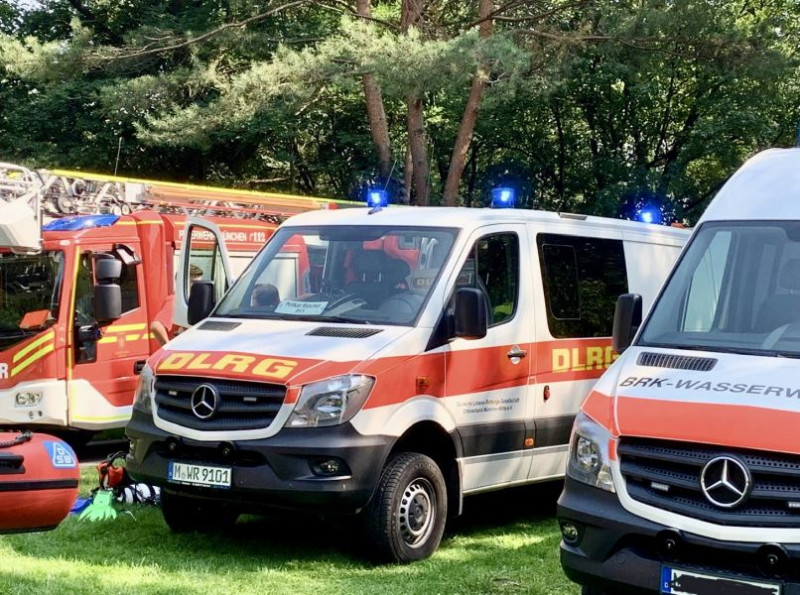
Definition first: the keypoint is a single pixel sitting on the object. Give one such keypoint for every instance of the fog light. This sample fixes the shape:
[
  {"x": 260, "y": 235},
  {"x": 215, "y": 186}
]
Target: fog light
[
  {"x": 28, "y": 398},
  {"x": 132, "y": 448},
  {"x": 330, "y": 468},
  {"x": 570, "y": 533}
]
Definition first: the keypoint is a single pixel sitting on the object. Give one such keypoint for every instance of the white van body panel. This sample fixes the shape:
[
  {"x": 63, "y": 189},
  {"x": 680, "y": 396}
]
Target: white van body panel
[{"x": 515, "y": 410}]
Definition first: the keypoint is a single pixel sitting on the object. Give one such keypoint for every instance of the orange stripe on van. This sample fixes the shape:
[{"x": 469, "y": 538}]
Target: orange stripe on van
[
  {"x": 599, "y": 407},
  {"x": 738, "y": 426}
]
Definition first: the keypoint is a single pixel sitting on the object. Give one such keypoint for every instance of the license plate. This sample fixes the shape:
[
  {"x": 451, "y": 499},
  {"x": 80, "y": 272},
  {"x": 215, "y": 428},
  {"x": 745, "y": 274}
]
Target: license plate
[
  {"x": 683, "y": 582},
  {"x": 200, "y": 475}
]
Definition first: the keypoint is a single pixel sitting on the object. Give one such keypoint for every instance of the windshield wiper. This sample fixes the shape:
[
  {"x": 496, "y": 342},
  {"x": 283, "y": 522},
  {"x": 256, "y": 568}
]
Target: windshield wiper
[
  {"x": 325, "y": 318},
  {"x": 15, "y": 333}
]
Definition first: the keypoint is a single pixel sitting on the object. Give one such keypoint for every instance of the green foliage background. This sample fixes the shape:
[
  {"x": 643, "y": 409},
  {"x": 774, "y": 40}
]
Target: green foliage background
[{"x": 600, "y": 107}]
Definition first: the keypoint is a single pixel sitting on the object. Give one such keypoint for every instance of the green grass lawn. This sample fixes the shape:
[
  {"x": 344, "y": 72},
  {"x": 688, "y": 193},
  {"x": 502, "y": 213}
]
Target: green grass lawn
[{"x": 506, "y": 542}]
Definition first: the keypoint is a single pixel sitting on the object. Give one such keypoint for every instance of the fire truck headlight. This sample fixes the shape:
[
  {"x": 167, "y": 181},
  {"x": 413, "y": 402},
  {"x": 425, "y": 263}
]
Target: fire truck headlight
[
  {"x": 144, "y": 390},
  {"x": 589, "y": 460},
  {"x": 330, "y": 402},
  {"x": 28, "y": 398}
]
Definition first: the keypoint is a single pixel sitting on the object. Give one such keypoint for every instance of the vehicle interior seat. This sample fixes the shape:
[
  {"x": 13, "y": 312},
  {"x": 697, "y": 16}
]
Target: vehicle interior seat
[
  {"x": 377, "y": 277},
  {"x": 782, "y": 308}
]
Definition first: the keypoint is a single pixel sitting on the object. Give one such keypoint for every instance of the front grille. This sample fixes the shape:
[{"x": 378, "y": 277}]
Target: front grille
[
  {"x": 345, "y": 333},
  {"x": 676, "y": 362},
  {"x": 219, "y": 325},
  {"x": 240, "y": 406},
  {"x": 667, "y": 475}
]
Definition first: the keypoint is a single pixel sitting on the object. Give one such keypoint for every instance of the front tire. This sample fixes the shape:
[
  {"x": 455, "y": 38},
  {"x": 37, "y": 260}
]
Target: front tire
[
  {"x": 184, "y": 515},
  {"x": 405, "y": 519}
]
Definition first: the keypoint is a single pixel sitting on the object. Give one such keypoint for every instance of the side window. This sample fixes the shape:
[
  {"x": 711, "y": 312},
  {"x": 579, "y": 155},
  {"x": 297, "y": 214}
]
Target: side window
[
  {"x": 205, "y": 262},
  {"x": 129, "y": 287},
  {"x": 706, "y": 286},
  {"x": 497, "y": 260},
  {"x": 582, "y": 279},
  {"x": 84, "y": 289}
]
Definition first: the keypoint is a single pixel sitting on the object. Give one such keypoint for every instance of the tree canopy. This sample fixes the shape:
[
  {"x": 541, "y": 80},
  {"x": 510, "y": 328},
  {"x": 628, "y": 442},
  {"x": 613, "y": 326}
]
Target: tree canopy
[{"x": 595, "y": 106}]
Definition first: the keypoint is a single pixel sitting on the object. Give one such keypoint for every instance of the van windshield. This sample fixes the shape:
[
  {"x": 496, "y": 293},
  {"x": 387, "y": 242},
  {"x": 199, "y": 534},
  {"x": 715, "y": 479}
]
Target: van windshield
[
  {"x": 354, "y": 274},
  {"x": 30, "y": 285},
  {"x": 736, "y": 289}
]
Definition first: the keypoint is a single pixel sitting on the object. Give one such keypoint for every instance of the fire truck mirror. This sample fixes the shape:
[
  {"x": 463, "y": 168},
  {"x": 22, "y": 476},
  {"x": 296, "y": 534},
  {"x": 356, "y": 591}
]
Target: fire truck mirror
[
  {"x": 107, "y": 302},
  {"x": 107, "y": 269},
  {"x": 201, "y": 301}
]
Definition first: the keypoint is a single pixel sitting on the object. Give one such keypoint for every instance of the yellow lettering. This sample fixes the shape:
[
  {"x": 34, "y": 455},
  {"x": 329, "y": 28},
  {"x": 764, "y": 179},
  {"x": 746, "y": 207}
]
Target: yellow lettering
[
  {"x": 611, "y": 356},
  {"x": 594, "y": 357},
  {"x": 274, "y": 368},
  {"x": 560, "y": 360},
  {"x": 198, "y": 363},
  {"x": 576, "y": 360},
  {"x": 239, "y": 363},
  {"x": 176, "y": 361}
]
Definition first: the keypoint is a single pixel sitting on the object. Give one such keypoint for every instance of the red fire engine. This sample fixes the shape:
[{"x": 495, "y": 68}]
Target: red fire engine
[{"x": 87, "y": 267}]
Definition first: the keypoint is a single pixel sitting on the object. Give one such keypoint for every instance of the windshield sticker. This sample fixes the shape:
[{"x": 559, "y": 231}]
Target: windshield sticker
[
  {"x": 301, "y": 308},
  {"x": 718, "y": 387}
]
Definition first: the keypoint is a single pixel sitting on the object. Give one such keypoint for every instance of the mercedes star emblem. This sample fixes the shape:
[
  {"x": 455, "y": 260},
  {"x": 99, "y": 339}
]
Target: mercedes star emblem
[
  {"x": 725, "y": 482},
  {"x": 205, "y": 399}
]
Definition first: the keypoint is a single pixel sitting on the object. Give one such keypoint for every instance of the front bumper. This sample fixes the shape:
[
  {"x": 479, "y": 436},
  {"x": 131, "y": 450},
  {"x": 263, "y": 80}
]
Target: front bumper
[
  {"x": 269, "y": 473},
  {"x": 624, "y": 553}
]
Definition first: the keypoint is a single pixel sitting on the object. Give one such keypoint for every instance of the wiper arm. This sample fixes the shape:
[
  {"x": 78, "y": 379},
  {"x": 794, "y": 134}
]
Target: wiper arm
[
  {"x": 323, "y": 318},
  {"x": 15, "y": 333}
]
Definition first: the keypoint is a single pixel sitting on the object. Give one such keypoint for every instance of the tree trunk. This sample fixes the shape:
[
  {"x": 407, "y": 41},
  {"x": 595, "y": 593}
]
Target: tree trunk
[
  {"x": 419, "y": 152},
  {"x": 375, "y": 111},
  {"x": 467, "y": 128},
  {"x": 411, "y": 15},
  {"x": 408, "y": 177}
]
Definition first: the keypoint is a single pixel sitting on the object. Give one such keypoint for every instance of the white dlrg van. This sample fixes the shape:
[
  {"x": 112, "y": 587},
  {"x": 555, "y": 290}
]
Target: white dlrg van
[
  {"x": 684, "y": 473},
  {"x": 387, "y": 364}
]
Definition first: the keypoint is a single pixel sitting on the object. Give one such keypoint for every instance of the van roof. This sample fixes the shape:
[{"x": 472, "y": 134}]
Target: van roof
[
  {"x": 766, "y": 187},
  {"x": 466, "y": 218}
]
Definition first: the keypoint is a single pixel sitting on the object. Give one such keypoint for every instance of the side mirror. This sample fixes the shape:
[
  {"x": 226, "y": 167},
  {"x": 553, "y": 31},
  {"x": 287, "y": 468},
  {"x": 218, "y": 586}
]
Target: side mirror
[
  {"x": 107, "y": 269},
  {"x": 471, "y": 321},
  {"x": 627, "y": 319},
  {"x": 107, "y": 303},
  {"x": 201, "y": 301}
]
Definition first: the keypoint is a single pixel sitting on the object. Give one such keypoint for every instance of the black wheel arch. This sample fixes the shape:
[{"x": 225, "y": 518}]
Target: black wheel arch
[{"x": 431, "y": 439}]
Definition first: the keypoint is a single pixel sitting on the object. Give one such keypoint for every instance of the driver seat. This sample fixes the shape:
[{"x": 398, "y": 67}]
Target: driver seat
[
  {"x": 781, "y": 308},
  {"x": 373, "y": 281}
]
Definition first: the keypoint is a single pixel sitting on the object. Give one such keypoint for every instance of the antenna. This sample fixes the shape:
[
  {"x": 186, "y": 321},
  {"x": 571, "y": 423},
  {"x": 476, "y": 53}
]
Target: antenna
[
  {"x": 119, "y": 149},
  {"x": 798, "y": 134}
]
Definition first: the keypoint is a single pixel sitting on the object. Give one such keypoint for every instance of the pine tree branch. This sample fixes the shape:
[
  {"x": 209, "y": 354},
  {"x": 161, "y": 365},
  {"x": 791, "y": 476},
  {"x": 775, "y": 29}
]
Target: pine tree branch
[
  {"x": 149, "y": 50},
  {"x": 348, "y": 9}
]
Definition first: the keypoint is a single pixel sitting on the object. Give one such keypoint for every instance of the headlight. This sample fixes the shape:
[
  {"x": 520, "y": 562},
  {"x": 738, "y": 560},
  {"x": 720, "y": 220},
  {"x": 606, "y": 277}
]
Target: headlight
[
  {"x": 588, "y": 455},
  {"x": 144, "y": 390},
  {"x": 330, "y": 402}
]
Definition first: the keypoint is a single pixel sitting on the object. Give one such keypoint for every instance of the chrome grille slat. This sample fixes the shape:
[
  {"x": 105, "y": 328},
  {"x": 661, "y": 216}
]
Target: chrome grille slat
[
  {"x": 242, "y": 405},
  {"x": 679, "y": 465}
]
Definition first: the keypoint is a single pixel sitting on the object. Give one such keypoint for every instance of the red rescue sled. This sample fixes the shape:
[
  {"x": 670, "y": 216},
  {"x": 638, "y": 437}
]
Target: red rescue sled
[{"x": 38, "y": 481}]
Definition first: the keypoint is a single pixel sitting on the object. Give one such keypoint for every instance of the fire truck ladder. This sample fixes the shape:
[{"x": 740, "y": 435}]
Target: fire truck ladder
[{"x": 53, "y": 194}]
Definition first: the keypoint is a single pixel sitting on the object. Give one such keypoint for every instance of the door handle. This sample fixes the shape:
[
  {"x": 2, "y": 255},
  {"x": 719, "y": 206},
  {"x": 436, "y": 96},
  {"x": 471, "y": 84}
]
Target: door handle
[
  {"x": 516, "y": 352},
  {"x": 139, "y": 366}
]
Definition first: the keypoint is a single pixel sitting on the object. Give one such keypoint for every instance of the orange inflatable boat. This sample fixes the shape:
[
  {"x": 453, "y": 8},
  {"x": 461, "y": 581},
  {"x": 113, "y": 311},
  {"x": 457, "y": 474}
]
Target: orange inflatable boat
[{"x": 38, "y": 481}]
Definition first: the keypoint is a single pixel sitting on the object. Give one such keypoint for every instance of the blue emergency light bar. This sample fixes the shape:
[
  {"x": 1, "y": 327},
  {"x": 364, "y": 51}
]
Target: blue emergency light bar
[
  {"x": 377, "y": 198},
  {"x": 80, "y": 222},
  {"x": 503, "y": 198},
  {"x": 650, "y": 216}
]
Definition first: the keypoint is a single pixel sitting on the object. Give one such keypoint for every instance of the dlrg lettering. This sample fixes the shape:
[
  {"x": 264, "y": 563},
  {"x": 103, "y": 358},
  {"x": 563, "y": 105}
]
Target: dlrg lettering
[
  {"x": 578, "y": 359},
  {"x": 3, "y": 371}
]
